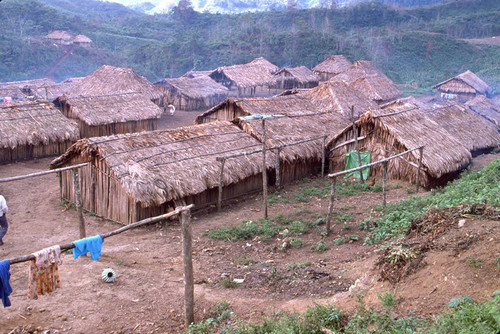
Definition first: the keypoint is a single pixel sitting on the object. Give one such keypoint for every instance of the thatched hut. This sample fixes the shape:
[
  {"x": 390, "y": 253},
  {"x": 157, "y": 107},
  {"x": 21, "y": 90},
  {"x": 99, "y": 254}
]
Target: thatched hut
[
  {"x": 231, "y": 108},
  {"x": 366, "y": 78},
  {"x": 83, "y": 41},
  {"x": 463, "y": 87},
  {"x": 34, "y": 130},
  {"x": 483, "y": 106},
  {"x": 295, "y": 77},
  {"x": 192, "y": 93},
  {"x": 147, "y": 174},
  {"x": 105, "y": 115},
  {"x": 398, "y": 129},
  {"x": 339, "y": 97},
  {"x": 25, "y": 89},
  {"x": 301, "y": 160},
  {"x": 331, "y": 66},
  {"x": 61, "y": 37},
  {"x": 115, "y": 80},
  {"x": 252, "y": 79},
  {"x": 470, "y": 129}
]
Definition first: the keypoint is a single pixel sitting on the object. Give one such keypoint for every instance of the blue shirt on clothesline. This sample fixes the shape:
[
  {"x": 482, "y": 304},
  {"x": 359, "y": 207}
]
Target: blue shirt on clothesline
[
  {"x": 5, "y": 288},
  {"x": 90, "y": 244}
]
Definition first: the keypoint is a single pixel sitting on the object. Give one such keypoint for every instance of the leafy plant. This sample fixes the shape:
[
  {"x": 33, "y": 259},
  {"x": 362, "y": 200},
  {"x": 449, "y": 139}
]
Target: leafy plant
[
  {"x": 339, "y": 241},
  {"x": 473, "y": 262},
  {"x": 321, "y": 246},
  {"x": 298, "y": 266},
  {"x": 228, "y": 283},
  {"x": 296, "y": 242}
]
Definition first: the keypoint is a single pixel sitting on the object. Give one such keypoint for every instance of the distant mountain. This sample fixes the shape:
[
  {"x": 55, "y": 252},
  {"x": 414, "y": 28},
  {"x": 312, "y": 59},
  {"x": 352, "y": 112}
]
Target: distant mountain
[{"x": 240, "y": 6}]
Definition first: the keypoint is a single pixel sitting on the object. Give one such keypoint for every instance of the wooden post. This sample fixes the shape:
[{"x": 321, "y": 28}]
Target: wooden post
[
  {"x": 187, "y": 255},
  {"x": 384, "y": 183},
  {"x": 421, "y": 149},
  {"x": 264, "y": 171},
  {"x": 278, "y": 169},
  {"x": 323, "y": 153},
  {"x": 219, "y": 200},
  {"x": 78, "y": 202},
  {"x": 93, "y": 175},
  {"x": 330, "y": 206},
  {"x": 356, "y": 146},
  {"x": 60, "y": 175}
]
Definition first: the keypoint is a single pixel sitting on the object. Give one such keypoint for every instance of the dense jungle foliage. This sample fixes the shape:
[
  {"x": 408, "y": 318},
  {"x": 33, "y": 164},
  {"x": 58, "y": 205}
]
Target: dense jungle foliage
[{"x": 424, "y": 44}]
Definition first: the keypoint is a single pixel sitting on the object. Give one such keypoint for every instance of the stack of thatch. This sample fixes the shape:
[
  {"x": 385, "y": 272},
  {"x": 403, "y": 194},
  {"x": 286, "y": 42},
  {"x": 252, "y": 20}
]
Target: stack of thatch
[
  {"x": 115, "y": 80},
  {"x": 332, "y": 66},
  {"x": 104, "y": 115},
  {"x": 147, "y": 173},
  {"x": 470, "y": 129},
  {"x": 337, "y": 96},
  {"x": 34, "y": 129},
  {"x": 466, "y": 83},
  {"x": 486, "y": 108},
  {"x": 296, "y": 77},
  {"x": 192, "y": 93},
  {"x": 395, "y": 130}
]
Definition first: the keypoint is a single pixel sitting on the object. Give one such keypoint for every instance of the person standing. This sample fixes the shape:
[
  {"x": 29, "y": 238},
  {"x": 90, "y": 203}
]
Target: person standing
[{"x": 3, "y": 219}]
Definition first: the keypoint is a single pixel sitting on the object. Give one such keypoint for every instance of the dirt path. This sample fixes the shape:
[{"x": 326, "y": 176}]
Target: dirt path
[{"x": 147, "y": 295}]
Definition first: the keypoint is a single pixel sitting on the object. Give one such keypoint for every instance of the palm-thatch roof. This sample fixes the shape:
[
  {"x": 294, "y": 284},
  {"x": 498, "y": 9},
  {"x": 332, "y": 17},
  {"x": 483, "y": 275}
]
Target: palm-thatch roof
[
  {"x": 264, "y": 105},
  {"x": 26, "y": 88},
  {"x": 82, "y": 39},
  {"x": 294, "y": 127},
  {"x": 486, "y": 108},
  {"x": 333, "y": 65},
  {"x": 256, "y": 73},
  {"x": 400, "y": 128},
  {"x": 114, "y": 80},
  {"x": 60, "y": 35},
  {"x": 470, "y": 129},
  {"x": 197, "y": 87},
  {"x": 160, "y": 166},
  {"x": 366, "y": 78},
  {"x": 301, "y": 74},
  {"x": 194, "y": 74},
  {"x": 339, "y": 97},
  {"x": 34, "y": 123},
  {"x": 112, "y": 108},
  {"x": 464, "y": 83}
]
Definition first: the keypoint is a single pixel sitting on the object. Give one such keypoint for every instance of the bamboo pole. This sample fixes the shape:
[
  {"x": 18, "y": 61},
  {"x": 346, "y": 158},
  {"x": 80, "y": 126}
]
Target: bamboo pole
[
  {"x": 356, "y": 146},
  {"x": 323, "y": 153},
  {"x": 78, "y": 202},
  {"x": 384, "y": 182},
  {"x": 187, "y": 255},
  {"x": 20, "y": 177},
  {"x": 93, "y": 176},
  {"x": 221, "y": 174},
  {"x": 278, "y": 169},
  {"x": 330, "y": 206},
  {"x": 421, "y": 149},
  {"x": 264, "y": 168},
  {"x": 143, "y": 222}
]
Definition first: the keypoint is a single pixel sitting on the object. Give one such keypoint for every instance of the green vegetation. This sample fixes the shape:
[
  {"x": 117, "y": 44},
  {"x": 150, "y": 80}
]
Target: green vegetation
[
  {"x": 321, "y": 246},
  {"x": 421, "y": 45},
  {"x": 473, "y": 262},
  {"x": 298, "y": 266},
  {"x": 228, "y": 283},
  {"x": 463, "y": 316},
  {"x": 472, "y": 188},
  {"x": 339, "y": 241}
]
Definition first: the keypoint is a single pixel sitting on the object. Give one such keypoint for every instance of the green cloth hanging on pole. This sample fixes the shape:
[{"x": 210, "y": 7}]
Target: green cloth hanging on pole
[{"x": 351, "y": 161}]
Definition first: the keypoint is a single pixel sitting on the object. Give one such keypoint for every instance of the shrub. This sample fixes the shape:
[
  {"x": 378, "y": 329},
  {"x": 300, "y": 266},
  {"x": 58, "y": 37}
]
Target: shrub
[{"x": 321, "y": 246}]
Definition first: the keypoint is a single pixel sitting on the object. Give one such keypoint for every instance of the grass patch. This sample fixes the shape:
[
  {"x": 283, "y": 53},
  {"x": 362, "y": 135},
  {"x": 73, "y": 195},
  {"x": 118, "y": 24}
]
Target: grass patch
[
  {"x": 228, "y": 283},
  {"x": 243, "y": 261},
  {"x": 474, "y": 187},
  {"x": 247, "y": 230},
  {"x": 296, "y": 242},
  {"x": 278, "y": 198},
  {"x": 474, "y": 263},
  {"x": 298, "y": 266}
]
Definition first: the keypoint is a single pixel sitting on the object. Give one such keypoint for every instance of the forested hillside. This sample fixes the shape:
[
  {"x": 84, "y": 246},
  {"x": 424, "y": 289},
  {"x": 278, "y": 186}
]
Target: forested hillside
[{"x": 417, "y": 44}]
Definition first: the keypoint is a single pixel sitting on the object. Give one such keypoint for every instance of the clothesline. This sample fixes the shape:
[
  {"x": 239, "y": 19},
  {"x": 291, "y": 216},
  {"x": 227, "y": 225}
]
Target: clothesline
[{"x": 146, "y": 221}]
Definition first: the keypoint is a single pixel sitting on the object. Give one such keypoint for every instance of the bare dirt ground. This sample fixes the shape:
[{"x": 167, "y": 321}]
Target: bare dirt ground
[
  {"x": 495, "y": 40},
  {"x": 147, "y": 295},
  {"x": 181, "y": 118}
]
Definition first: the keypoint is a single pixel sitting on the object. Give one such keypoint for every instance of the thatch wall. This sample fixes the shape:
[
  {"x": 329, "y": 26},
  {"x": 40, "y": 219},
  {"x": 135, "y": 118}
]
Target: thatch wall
[
  {"x": 339, "y": 97},
  {"x": 141, "y": 175},
  {"x": 467, "y": 84},
  {"x": 486, "y": 108},
  {"x": 115, "y": 80},
  {"x": 106, "y": 115},
  {"x": 252, "y": 79},
  {"x": 300, "y": 160},
  {"x": 192, "y": 93},
  {"x": 396, "y": 133},
  {"x": 331, "y": 66},
  {"x": 34, "y": 130},
  {"x": 296, "y": 77},
  {"x": 470, "y": 129}
]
